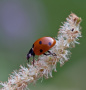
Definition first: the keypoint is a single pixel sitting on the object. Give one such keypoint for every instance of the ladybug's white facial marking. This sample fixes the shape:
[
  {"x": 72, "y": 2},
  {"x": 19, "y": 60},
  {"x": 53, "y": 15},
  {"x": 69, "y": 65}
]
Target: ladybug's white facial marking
[{"x": 29, "y": 55}]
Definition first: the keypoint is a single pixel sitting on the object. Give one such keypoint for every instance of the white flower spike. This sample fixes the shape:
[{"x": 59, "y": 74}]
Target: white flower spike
[{"x": 67, "y": 37}]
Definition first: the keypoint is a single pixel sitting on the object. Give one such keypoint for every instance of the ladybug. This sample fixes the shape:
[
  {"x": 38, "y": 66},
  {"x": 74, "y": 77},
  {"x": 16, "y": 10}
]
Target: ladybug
[{"x": 41, "y": 46}]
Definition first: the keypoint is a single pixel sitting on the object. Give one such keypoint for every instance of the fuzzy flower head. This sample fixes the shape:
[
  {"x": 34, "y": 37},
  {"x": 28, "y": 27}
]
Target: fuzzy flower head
[{"x": 67, "y": 36}]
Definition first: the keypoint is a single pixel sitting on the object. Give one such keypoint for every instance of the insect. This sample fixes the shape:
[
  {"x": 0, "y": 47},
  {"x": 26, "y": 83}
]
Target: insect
[{"x": 41, "y": 46}]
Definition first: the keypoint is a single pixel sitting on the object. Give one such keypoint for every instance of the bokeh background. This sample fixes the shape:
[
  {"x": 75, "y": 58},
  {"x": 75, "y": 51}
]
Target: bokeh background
[{"x": 24, "y": 21}]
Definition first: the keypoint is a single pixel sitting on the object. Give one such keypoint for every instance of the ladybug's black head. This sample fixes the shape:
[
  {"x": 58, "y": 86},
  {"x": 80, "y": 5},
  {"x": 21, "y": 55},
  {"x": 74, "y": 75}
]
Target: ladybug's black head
[{"x": 30, "y": 53}]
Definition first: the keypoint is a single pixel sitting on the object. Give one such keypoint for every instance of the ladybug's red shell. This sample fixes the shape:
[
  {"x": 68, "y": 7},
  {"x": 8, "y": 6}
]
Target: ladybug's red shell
[{"x": 43, "y": 44}]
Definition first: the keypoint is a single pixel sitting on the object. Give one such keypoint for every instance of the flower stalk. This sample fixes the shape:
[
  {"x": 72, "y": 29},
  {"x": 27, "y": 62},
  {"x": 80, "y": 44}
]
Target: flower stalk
[{"x": 67, "y": 37}]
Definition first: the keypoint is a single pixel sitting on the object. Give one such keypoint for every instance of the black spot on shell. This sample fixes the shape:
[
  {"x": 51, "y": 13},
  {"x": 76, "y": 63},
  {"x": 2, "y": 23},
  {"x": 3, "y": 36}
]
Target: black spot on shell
[
  {"x": 41, "y": 50},
  {"x": 72, "y": 29},
  {"x": 40, "y": 42},
  {"x": 49, "y": 43}
]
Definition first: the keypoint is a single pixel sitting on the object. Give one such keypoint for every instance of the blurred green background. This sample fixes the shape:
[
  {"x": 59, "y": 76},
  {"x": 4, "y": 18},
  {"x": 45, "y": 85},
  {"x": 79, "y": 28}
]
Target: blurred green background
[{"x": 24, "y": 21}]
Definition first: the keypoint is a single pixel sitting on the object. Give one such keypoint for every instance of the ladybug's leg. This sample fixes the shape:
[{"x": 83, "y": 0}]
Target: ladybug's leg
[
  {"x": 46, "y": 54},
  {"x": 28, "y": 60},
  {"x": 33, "y": 58},
  {"x": 51, "y": 53}
]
